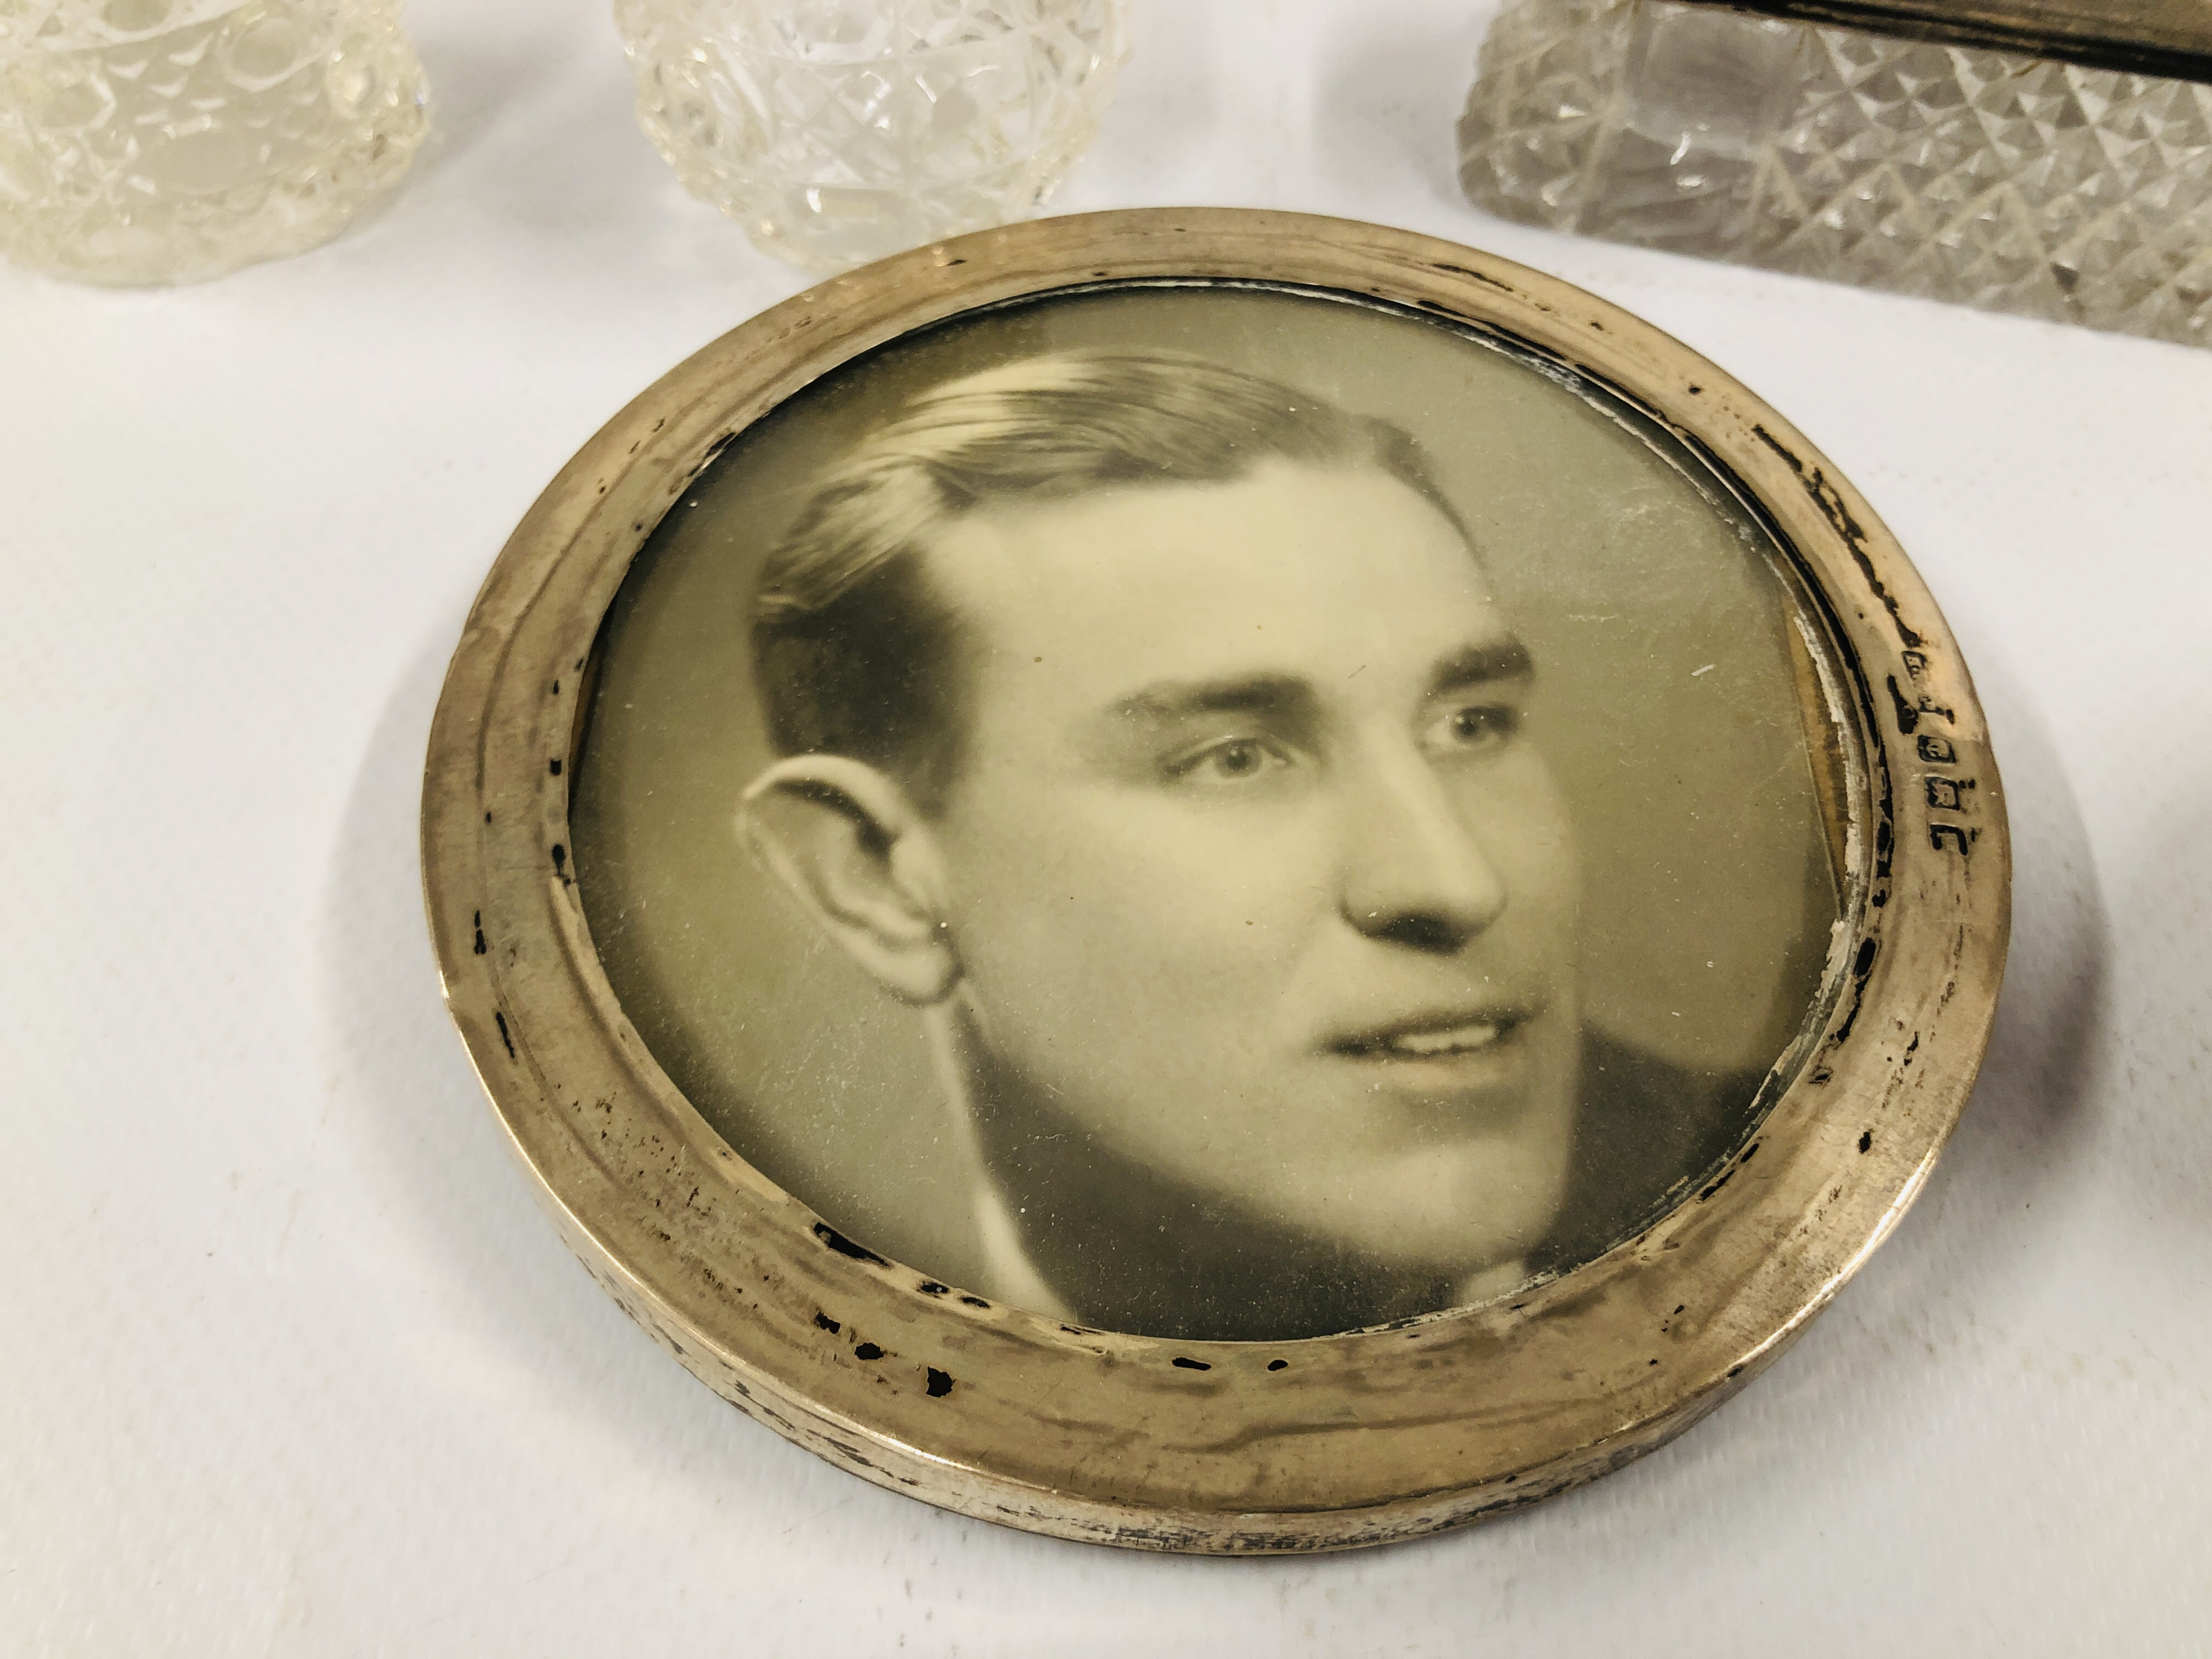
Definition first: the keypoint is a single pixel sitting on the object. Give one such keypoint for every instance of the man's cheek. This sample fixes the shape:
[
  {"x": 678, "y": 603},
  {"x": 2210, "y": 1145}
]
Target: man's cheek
[{"x": 1239, "y": 866}]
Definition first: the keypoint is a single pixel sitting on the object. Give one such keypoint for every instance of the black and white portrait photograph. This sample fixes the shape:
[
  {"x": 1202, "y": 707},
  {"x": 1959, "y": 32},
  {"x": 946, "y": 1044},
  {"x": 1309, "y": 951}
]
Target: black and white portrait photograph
[
  {"x": 1213, "y": 812},
  {"x": 1356, "y": 829}
]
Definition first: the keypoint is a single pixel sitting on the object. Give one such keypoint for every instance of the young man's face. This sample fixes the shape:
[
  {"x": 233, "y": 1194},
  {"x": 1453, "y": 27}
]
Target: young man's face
[{"x": 1253, "y": 871}]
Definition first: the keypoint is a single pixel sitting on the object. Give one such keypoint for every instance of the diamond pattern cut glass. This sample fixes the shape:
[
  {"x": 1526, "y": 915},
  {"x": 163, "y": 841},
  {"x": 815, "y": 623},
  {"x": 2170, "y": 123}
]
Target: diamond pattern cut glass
[
  {"x": 836, "y": 131},
  {"x": 166, "y": 141},
  {"x": 2006, "y": 182}
]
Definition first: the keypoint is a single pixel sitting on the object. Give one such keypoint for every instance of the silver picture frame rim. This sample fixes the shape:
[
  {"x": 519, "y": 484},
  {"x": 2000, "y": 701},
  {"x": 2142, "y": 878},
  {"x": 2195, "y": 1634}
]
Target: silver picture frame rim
[{"x": 1219, "y": 1448}]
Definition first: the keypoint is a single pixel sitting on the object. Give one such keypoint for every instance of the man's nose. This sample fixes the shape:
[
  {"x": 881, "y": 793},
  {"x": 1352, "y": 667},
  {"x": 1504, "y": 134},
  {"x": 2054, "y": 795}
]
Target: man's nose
[{"x": 1414, "y": 873}]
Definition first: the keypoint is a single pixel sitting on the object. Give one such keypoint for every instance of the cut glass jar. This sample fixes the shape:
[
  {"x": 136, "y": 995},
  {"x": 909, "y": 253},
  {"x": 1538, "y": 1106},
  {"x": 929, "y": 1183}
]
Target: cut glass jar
[
  {"x": 167, "y": 141},
  {"x": 1987, "y": 178},
  {"x": 837, "y": 131}
]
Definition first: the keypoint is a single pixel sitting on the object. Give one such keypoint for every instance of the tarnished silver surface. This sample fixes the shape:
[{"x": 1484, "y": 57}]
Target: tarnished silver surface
[
  {"x": 2146, "y": 37},
  {"x": 1222, "y": 1447}
]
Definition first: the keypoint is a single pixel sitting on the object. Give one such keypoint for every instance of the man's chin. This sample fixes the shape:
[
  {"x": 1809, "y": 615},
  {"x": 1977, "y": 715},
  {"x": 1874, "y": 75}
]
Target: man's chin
[{"x": 1451, "y": 1215}]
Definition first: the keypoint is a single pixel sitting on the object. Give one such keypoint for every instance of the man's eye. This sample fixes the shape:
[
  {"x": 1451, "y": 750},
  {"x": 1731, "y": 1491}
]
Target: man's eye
[
  {"x": 1478, "y": 725},
  {"x": 1232, "y": 762}
]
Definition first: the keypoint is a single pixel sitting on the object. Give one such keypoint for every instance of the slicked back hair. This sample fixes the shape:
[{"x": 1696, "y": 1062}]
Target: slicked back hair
[{"x": 853, "y": 651}]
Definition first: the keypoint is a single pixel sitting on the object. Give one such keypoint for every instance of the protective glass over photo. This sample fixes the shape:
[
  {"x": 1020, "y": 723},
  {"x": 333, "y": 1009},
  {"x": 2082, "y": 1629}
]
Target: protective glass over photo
[{"x": 1215, "y": 812}]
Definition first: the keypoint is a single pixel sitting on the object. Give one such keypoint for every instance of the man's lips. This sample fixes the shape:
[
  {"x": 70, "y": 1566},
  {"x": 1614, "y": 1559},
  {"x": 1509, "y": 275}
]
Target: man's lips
[{"x": 1442, "y": 1033}]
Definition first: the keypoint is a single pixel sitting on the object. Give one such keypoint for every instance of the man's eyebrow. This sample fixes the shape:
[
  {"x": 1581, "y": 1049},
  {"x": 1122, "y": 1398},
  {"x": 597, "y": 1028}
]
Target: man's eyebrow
[
  {"x": 1280, "y": 695},
  {"x": 1479, "y": 664}
]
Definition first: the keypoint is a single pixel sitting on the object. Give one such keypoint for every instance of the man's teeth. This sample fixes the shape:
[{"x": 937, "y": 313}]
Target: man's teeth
[{"x": 1457, "y": 1040}]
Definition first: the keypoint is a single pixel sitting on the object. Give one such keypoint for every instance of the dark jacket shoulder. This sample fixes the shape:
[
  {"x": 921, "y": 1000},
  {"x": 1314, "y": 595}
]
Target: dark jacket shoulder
[{"x": 1649, "y": 1131}]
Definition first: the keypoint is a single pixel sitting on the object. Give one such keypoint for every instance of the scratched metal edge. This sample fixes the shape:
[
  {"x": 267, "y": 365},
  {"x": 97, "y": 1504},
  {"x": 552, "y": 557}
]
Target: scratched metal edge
[
  {"x": 543, "y": 972},
  {"x": 2172, "y": 39}
]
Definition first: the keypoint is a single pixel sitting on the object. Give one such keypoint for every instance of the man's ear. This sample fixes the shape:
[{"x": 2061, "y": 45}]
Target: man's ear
[{"x": 853, "y": 849}]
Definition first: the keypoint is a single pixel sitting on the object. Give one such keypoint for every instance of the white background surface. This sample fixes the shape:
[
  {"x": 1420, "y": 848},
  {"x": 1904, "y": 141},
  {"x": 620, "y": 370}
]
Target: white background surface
[{"x": 289, "y": 1362}]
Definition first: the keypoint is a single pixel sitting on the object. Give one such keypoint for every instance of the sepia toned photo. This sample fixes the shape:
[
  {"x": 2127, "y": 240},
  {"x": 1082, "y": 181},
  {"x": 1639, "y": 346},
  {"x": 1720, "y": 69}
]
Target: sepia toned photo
[{"x": 1214, "y": 813}]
